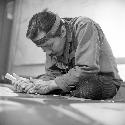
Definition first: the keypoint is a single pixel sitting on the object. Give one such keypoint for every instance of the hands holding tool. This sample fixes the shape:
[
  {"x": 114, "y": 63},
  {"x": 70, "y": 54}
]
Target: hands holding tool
[{"x": 33, "y": 86}]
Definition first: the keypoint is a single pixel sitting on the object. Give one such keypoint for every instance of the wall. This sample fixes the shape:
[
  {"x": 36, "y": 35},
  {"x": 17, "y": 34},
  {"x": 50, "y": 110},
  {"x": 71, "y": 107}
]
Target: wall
[{"x": 5, "y": 33}]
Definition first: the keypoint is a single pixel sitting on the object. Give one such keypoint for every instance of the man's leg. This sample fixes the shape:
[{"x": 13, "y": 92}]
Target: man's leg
[{"x": 95, "y": 87}]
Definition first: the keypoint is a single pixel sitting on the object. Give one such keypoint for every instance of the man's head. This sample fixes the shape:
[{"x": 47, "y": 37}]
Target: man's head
[{"x": 47, "y": 31}]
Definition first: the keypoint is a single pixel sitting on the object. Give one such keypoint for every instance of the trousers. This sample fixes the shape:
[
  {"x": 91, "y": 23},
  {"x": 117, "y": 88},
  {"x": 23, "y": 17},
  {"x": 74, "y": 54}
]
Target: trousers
[{"x": 96, "y": 87}]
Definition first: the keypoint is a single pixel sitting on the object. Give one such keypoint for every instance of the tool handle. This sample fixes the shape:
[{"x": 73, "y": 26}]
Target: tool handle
[{"x": 10, "y": 77}]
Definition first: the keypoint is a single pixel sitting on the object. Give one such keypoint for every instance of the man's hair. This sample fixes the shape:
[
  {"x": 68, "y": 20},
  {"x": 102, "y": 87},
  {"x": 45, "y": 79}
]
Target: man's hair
[{"x": 42, "y": 21}]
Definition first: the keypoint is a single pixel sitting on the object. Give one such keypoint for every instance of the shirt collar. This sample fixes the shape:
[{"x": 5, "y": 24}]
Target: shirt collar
[{"x": 65, "y": 56}]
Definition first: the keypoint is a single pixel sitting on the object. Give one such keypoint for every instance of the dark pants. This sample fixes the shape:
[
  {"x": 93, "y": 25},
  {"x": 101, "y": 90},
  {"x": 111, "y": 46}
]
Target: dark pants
[{"x": 96, "y": 87}]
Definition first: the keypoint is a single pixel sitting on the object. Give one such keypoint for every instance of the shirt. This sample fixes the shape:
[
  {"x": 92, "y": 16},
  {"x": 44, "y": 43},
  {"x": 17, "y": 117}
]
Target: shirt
[{"x": 86, "y": 51}]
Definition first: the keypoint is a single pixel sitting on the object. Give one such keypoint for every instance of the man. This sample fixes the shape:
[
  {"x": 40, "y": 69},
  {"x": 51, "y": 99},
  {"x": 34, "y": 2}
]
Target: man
[{"x": 79, "y": 60}]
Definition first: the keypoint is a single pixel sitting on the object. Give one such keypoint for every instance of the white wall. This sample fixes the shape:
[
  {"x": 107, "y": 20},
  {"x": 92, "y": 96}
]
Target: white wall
[{"x": 110, "y": 14}]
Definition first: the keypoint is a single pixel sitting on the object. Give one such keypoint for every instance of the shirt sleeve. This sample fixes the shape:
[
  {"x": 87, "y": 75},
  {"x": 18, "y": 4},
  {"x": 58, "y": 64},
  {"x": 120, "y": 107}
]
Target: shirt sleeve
[
  {"x": 51, "y": 70},
  {"x": 86, "y": 56}
]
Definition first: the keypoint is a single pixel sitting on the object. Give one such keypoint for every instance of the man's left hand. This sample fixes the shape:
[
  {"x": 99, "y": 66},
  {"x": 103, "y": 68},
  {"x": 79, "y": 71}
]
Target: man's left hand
[{"x": 42, "y": 87}]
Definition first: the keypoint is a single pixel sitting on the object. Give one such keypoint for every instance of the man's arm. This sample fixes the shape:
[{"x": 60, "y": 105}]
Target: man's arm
[{"x": 51, "y": 70}]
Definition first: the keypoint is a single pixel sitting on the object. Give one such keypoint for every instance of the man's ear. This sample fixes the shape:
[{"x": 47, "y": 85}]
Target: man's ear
[{"x": 63, "y": 31}]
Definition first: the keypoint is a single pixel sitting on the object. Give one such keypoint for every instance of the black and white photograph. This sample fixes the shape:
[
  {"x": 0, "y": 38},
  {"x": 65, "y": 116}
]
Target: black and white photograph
[{"x": 62, "y": 62}]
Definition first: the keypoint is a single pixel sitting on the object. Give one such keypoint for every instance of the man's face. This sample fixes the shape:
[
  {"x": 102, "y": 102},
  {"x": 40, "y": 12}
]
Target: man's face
[{"x": 50, "y": 45}]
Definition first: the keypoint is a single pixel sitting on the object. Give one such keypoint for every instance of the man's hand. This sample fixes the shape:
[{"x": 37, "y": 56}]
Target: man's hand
[
  {"x": 22, "y": 84},
  {"x": 32, "y": 85},
  {"x": 43, "y": 87}
]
